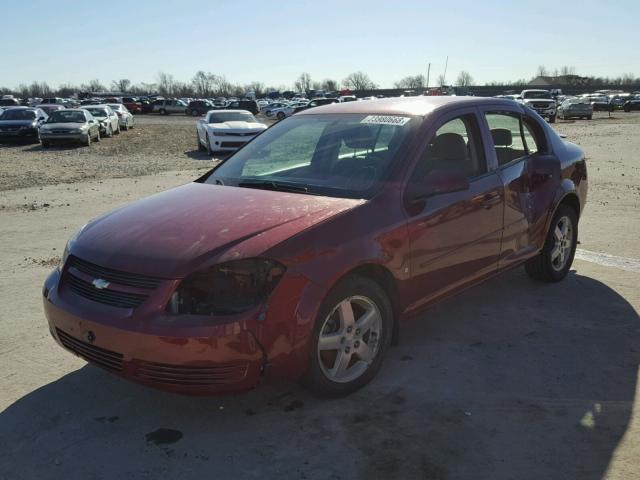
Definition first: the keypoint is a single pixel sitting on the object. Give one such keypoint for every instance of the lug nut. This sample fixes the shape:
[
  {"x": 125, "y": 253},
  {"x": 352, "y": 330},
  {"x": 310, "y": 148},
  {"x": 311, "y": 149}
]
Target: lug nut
[
  {"x": 347, "y": 350},
  {"x": 349, "y": 329},
  {"x": 357, "y": 331},
  {"x": 356, "y": 345}
]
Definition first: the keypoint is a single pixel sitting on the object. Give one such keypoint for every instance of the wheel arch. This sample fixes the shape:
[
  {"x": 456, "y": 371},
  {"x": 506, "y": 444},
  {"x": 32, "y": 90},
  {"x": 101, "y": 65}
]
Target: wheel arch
[{"x": 385, "y": 279}]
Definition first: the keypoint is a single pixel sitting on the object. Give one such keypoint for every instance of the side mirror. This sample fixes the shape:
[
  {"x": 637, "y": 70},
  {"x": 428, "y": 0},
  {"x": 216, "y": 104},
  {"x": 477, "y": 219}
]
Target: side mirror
[{"x": 437, "y": 182}]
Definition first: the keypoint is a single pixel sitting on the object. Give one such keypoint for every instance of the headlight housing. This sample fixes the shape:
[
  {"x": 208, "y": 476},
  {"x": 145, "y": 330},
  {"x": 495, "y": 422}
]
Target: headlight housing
[
  {"x": 226, "y": 289},
  {"x": 68, "y": 246}
]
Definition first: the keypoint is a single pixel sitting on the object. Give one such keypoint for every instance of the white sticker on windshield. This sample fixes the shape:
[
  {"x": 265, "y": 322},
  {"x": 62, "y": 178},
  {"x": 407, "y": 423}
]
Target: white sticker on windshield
[{"x": 385, "y": 120}]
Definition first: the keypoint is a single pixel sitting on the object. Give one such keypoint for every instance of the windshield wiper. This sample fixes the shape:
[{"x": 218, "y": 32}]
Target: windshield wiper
[{"x": 271, "y": 185}]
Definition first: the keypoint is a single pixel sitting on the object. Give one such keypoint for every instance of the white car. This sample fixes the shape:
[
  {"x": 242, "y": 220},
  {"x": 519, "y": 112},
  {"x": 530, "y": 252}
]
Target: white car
[
  {"x": 279, "y": 110},
  {"x": 226, "y": 130},
  {"x": 125, "y": 117},
  {"x": 108, "y": 119}
]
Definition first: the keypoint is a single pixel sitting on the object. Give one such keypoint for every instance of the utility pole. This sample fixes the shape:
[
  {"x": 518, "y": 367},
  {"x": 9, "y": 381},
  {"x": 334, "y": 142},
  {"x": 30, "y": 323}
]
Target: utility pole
[
  {"x": 428, "y": 72},
  {"x": 444, "y": 76}
]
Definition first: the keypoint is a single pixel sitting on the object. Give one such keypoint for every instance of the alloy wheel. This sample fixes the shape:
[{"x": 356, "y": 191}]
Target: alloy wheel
[
  {"x": 349, "y": 339},
  {"x": 563, "y": 241}
]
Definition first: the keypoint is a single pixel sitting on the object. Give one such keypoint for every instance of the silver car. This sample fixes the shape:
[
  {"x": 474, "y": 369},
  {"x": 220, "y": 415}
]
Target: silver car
[
  {"x": 125, "y": 117},
  {"x": 70, "y": 125},
  {"x": 106, "y": 117},
  {"x": 575, "y": 107}
]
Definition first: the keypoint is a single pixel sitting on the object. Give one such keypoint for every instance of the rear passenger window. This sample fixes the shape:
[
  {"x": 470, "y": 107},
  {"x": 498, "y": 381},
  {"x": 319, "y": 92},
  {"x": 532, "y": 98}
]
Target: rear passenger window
[
  {"x": 512, "y": 137},
  {"x": 456, "y": 146}
]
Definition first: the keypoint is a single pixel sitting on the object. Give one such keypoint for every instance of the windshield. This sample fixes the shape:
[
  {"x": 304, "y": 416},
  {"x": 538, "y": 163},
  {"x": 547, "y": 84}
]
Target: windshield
[
  {"x": 230, "y": 117},
  {"x": 98, "y": 112},
  {"x": 17, "y": 114},
  {"x": 67, "y": 116},
  {"x": 544, "y": 94},
  {"x": 336, "y": 155}
]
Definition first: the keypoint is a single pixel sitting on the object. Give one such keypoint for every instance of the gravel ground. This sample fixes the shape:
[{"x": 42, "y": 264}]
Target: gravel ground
[{"x": 509, "y": 380}]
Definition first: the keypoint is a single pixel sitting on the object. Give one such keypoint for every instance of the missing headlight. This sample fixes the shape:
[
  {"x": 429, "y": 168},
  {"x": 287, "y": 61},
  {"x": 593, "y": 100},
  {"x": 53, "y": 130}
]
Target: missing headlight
[{"x": 228, "y": 288}]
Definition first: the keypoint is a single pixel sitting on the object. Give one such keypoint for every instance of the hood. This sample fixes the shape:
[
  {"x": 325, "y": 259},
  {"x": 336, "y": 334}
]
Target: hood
[
  {"x": 174, "y": 233},
  {"x": 238, "y": 125}
]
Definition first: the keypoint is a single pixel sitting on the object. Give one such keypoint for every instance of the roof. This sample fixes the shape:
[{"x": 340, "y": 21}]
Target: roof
[{"x": 423, "y": 105}]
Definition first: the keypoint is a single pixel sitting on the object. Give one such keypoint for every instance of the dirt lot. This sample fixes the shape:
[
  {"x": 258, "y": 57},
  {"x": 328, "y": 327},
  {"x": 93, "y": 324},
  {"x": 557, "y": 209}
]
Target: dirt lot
[{"x": 510, "y": 380}]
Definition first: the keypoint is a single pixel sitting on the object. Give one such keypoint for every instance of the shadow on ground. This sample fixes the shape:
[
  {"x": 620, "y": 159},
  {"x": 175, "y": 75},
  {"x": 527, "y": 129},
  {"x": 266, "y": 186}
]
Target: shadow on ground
[{"x": 511, "y": 380}]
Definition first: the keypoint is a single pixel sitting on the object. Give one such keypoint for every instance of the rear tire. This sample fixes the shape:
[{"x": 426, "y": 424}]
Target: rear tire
[
  {"x": 163, "y": 111},
  {"x": 352, "y": 332},
  {"x": 281, "y": 115},
  {"x": 554, "y": 260}
]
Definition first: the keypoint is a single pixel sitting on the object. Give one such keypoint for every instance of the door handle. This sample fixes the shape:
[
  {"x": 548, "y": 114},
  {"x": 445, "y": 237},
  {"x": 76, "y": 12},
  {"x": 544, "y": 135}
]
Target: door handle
[{"x": 490, "y": 199}]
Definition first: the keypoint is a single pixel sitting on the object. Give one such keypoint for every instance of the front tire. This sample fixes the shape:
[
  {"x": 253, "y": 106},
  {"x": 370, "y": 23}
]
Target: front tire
[
  {"x": 280, "y": 115},
  {"x": 351, "y": 335},
  {"x": 554, "y": 260},
  {"x": 201, "y": 147}
]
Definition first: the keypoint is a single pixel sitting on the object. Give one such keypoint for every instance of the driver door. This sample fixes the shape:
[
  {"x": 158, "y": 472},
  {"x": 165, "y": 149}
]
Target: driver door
[{"x": 454, "y": 237}]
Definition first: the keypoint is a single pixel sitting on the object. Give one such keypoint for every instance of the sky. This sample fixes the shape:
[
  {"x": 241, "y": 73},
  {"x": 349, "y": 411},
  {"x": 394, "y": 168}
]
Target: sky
[{"x": 69, "y": 41}]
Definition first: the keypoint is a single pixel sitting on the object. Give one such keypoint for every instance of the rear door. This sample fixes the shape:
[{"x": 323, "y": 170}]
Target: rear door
[{"x": 529, "y": 173}]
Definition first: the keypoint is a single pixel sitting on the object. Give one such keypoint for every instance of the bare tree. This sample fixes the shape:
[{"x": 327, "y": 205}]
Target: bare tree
[
  {"x": 66, "y": 90},
  {"x": 329, "y": 85},
  {"x": 464, "y": 79},
  {"x": 303, "y": 83},
  {"x": 121, "y": 85},
  {"x": 440, "y": 80},
  {"x": 95, "y": 85},
  {"x": 417, "y": 81},
  {"x": 567, "y": 70},
  {"x": 359, "y": 81},
  {"x": 257, "y": 88},
  {"x": 166, "y": 84},
  {"x": 203, "y": 83},
  {"x": 542, "y": 71}
]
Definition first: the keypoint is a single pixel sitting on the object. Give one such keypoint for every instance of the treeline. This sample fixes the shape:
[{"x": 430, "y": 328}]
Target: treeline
[
  {"x": 208, "y": 85},
  {"x": 202, "y": 85}
]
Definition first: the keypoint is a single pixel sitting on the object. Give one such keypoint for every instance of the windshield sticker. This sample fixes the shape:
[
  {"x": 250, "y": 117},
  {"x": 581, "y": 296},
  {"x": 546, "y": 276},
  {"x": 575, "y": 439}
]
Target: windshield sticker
[{"x": 385, "y": 120}]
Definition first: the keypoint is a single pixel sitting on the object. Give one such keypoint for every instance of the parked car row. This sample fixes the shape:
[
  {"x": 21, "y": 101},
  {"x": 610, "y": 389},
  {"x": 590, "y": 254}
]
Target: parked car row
[{"x": 82, "y": 125}]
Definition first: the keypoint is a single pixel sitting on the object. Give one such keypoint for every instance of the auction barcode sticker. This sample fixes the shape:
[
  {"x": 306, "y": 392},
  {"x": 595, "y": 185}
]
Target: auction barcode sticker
[{"x": 385, "y": 120}]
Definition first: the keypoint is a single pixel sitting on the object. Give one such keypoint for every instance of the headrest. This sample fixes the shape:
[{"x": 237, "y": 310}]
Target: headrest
[
  {"x": 501, "y": 137},
  {"x": 358, "y": 137},
  {"x": 450, "y": 146}
]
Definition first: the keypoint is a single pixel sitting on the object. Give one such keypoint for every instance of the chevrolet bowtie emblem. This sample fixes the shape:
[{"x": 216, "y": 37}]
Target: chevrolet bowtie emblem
[{"x": 100, "y": 283}]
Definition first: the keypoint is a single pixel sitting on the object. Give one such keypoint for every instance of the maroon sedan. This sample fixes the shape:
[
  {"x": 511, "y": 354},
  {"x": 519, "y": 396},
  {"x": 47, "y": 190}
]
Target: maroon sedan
[{"x": 301, "y": 254}]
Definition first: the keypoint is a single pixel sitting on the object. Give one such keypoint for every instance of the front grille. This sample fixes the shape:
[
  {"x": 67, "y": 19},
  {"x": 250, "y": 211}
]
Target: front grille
[
  {"x": 122, "y": 278},
  {"x": 191, "y": 375},
  {"x": 236, "y": 134},
  {"x": 232, "y": 144},
  {"x": 100, "y": 356},
  {"x": 540, "y": 105},
  {"x": 108, "y": 297}
]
